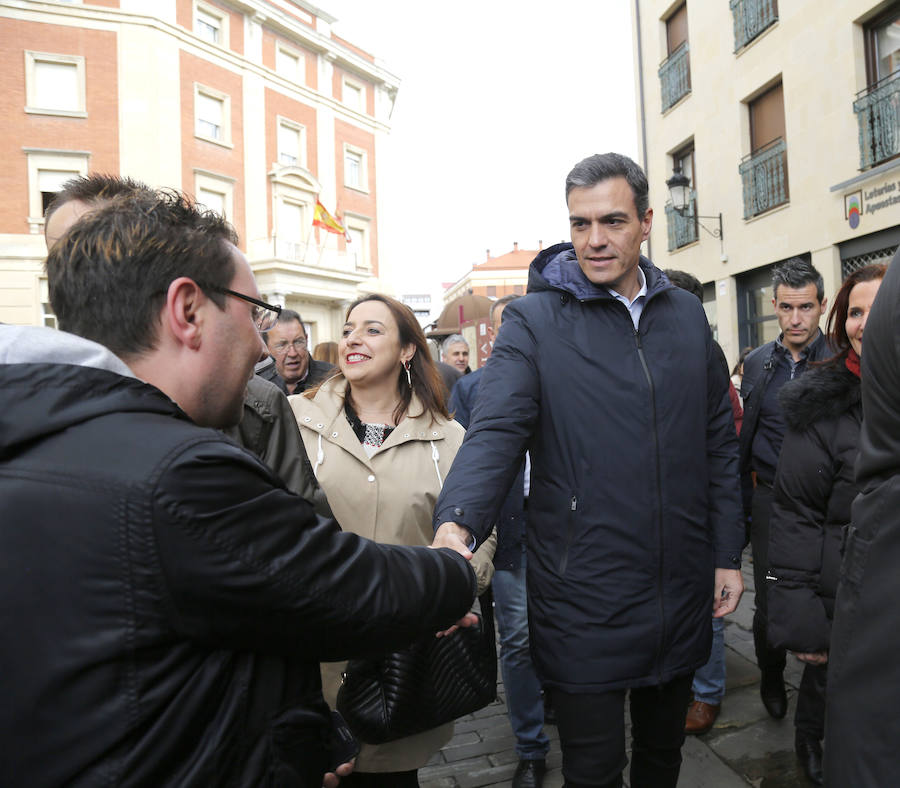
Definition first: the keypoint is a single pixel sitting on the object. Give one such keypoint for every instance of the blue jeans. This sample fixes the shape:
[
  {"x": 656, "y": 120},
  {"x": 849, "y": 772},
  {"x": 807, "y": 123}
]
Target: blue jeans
[
  {"x": 523, "y": 690},
  {"x": 709, "y": 681}
]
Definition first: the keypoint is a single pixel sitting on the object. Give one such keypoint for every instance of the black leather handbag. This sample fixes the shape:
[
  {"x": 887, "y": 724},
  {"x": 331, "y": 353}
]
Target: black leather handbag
[{"x": 434, "y": 681}]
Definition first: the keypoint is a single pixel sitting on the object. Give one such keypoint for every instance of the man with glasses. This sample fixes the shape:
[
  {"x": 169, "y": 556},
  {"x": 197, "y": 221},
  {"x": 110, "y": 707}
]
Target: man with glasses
[
  {"x": 295, "y": 369},
  {"x": 267, "y": 427},
  {"x": 166, "y": 601}
]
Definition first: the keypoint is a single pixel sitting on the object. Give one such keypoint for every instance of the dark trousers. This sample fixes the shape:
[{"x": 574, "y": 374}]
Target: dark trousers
[
  {"x": 810, "y": 716},
  {"x": 592, "y": 735},
  {"x": 382, "y": 780},
  {"x": 766, "y": 657}
]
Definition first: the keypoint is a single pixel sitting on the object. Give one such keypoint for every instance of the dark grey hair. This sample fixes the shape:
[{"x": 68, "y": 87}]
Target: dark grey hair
[
  {"x": 796, "y": 272},
  {"x": 603, "y": 166}
]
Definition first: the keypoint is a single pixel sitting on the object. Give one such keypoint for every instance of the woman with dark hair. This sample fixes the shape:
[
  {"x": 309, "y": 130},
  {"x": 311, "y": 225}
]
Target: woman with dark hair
[
  {"x": 814, "y": 488},
  {"x": 381, "y": 442}
]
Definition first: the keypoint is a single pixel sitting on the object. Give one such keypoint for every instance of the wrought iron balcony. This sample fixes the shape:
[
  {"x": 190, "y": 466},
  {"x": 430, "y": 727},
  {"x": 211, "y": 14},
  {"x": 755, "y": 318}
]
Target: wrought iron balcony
[
  {"x": 751, "y": 17},
  {"x": 764, "y": 175},
  {"x": 877, "y": 111},
  {"x": 675, "y": 76},
  {"x": 682, "y": 229}
]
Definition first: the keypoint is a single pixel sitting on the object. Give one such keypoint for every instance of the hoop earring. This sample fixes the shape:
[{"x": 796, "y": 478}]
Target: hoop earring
[{"x": 408, "y": 376}]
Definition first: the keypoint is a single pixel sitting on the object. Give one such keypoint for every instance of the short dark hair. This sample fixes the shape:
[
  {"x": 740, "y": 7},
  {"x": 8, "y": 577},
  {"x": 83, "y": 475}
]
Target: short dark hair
[
  {"x": 836, "y": 326},
  {"x": 685, "y": 281},
  {"x": 286, "y": 316},
  {"x": 795, "y": 272},
  {"x": 109, "y": 275},
  {"x": 603, "y": 166},
  {"x": 502, "y": 302},
  {"x": 93, "y": 188}
]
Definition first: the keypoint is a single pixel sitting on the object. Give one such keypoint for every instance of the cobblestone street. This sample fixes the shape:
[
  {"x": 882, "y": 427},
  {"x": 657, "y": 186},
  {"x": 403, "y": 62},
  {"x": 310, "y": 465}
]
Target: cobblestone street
[{"x": 745, "y": 747}]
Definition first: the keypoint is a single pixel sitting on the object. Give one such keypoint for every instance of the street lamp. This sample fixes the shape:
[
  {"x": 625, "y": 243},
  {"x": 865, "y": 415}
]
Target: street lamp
[{"x": 680, "y": 192}]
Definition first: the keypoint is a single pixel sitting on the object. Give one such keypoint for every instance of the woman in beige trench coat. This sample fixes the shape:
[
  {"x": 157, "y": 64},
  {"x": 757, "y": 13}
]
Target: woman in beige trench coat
[{"x": 381, "y": 442}]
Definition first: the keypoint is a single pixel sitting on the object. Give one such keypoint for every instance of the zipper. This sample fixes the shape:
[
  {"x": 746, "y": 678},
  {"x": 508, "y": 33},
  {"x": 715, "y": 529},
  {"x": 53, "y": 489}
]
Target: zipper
[
  {"x": 570, "y": 534},
  {"x": 660, "y": 574}
]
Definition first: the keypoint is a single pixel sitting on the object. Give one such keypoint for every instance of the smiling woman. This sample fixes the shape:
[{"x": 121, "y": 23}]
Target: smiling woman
[{"x": 381, "y": 442}]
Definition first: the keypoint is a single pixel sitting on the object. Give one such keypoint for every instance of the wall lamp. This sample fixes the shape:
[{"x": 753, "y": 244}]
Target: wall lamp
[{"x": 680, "y": 191}]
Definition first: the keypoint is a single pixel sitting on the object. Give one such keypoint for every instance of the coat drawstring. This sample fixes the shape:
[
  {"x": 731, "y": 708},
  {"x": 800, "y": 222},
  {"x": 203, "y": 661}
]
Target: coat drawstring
[
  {"x": 320, "y": 457},
  {"x": 435, "y": 457}
]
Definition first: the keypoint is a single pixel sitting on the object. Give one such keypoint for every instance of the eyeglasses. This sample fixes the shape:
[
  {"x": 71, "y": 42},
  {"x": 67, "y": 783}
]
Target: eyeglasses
[
  {"x": 280, "y": 348},
  {"x": 264, "y": 315}
]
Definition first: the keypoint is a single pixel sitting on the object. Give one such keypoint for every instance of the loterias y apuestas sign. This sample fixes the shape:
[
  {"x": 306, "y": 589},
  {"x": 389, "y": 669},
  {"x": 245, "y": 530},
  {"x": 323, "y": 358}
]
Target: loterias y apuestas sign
[{"x": 870, "y": 200}]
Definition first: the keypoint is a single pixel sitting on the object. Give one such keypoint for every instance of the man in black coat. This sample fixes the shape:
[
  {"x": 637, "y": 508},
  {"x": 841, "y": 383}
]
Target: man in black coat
[
  {"x": 799, "y": 299},
  {"x": 294, "y": 369},
  {"x": 523, "y": 689},
  {"x": 862, "y": 726},
  {"x": 607, "y": 375},
  {"x": 165, "y": 601}
]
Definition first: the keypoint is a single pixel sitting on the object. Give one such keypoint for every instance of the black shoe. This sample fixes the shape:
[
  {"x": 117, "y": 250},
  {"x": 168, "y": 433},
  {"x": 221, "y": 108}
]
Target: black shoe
[
  {"x": 529, "y": 774},
  {"x": 773, "y": 694},
  {"x": 809, "y": 753}
]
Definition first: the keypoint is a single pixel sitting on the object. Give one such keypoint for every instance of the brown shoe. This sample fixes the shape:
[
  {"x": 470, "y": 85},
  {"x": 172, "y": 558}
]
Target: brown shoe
[{"x": 700, "y": 717}]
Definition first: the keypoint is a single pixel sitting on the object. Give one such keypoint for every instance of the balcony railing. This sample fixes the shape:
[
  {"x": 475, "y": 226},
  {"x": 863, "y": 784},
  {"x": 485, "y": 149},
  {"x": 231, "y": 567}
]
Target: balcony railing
[
  {"x": 682, "y": 229},
  {"x": 877, "y": 111},
  {"x": 764, "y": 175},
  {"x": 675, "y": 76},
  {"x": 751, "y": 17}
]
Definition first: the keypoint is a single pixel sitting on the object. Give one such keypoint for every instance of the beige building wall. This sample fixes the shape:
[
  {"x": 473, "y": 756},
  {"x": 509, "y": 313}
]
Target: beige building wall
[
  {"x": 816, "y": 51},
  {"x": 144, "y": 94}
]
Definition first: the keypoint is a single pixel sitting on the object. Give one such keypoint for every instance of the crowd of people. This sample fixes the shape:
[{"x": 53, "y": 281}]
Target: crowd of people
[{"x": 202, "y": 521}]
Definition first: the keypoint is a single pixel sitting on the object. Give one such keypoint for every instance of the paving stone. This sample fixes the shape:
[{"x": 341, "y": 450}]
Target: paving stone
[
  {"x": 702, "y": 768},
  {"x": 739, "y": 671}
]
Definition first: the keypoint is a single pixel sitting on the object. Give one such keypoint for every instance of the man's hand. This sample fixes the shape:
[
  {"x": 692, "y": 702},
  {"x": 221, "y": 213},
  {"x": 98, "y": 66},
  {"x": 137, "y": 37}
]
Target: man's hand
[
  {"x": 331, "y": 779},
  {"x": 455, "y": 537},
  {"x": 729, "y": 587},
  {"x": 815, "y": 658}
]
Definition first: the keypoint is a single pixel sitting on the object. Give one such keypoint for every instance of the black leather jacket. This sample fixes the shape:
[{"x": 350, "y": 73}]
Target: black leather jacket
[{"x": 165, "y": 601}]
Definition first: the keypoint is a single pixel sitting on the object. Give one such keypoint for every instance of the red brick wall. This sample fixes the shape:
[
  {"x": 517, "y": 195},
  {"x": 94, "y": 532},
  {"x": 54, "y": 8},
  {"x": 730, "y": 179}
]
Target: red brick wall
[
  {"x": 97, "y": 133},
  {"x": 198, "y": 153}
]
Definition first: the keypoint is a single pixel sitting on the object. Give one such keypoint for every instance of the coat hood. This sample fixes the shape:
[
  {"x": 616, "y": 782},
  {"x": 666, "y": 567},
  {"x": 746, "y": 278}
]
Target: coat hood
[
  {"x": 556, "y": 268},
  {"x": 822, "y": 392},
  {"x": 51, "y": 380}
]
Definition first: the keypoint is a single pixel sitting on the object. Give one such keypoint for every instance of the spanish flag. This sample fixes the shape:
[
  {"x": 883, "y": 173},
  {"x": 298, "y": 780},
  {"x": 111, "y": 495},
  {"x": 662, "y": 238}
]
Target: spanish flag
[{"x": 323, "y": 219}]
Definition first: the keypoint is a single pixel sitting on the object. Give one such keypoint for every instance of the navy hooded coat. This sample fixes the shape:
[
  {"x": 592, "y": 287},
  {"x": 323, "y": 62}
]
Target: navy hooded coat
[{"x": 635, "y": 495}]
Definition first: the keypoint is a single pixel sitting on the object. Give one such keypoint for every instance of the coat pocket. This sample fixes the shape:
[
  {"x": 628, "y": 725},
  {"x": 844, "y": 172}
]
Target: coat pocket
[
  {"x": 797, "y": 617},
  {"x": 298, "y": 749}
]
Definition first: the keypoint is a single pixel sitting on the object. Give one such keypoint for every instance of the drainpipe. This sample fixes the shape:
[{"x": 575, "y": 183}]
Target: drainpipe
[{"x": 640, "y": 57}]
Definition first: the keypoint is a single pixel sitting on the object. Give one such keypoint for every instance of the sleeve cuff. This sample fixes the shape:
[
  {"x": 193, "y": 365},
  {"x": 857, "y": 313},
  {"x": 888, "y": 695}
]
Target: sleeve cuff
[{"x": 728, "y": 559}]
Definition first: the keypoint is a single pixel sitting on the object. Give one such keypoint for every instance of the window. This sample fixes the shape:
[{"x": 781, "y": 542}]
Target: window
[
  {"x": 358, "y": 245},
  {"x": 676, "y": 29},
  {"x": 682, "y": 227},
  {"x": 291, "y": 220},
  {"x": 47, "y": 172},
  {"x": 353, "y": 96},
  {"x": 764, "y": 172},
  {"x": 211, "y": 23},
  {"x": 55, "y": 84},
  {"x": 215, "y": 192},
  {"x": 354, "y": 168},
  {"x": 291, "y": 144},
  {"x": 675, "y": 70},
  {"x": 752, "y": 17},
  {"x": 882, "y": 37},
  {"x": 877, "y": 107},
  {"x": 212, "y": 112},
  {"x": 290, "y": 64}
]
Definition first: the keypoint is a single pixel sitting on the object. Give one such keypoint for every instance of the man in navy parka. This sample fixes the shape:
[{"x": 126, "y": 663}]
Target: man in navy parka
[{"x": 607, "y": 374}]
